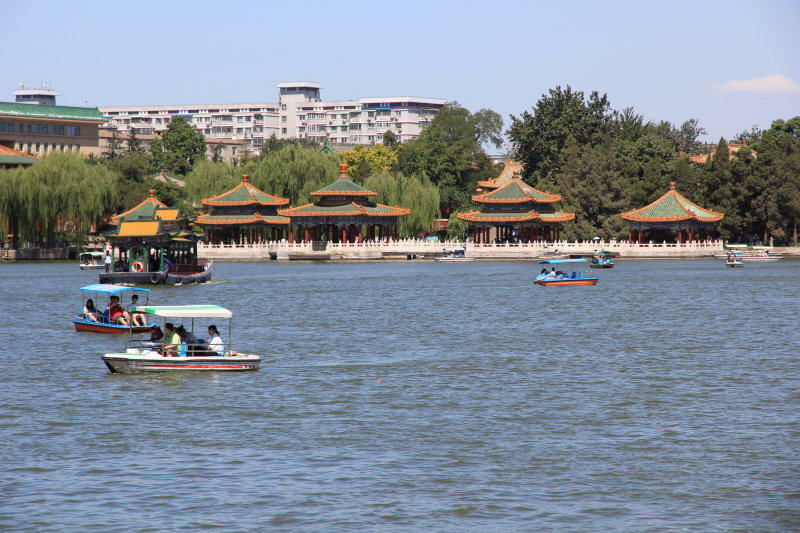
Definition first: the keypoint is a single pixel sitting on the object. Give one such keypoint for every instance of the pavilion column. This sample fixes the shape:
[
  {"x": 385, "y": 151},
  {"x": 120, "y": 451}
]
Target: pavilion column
[
  {"x": 630, "y": 236},
  {"x": 344, "y": 234},
  {"x": 388, "y": 232},
  {"x": 306, "y": 233},
  {"x": 291, "y": 234},
  {"x": 690, "y": 236},
  {"x": 360, "y": 234}
]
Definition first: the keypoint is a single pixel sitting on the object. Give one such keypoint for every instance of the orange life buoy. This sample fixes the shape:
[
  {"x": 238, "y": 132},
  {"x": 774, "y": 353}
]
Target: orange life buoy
[{"x": 138, "y": 266}]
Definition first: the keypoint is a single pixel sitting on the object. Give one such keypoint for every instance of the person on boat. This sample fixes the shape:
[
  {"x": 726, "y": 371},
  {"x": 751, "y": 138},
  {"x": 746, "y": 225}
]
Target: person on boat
[
  {"x": 544, "y": 271},
  {"x": 90, "y": 312},
  {"x": 190, "y": 339},
  {"x": 107, "y": 261},
  {"x": 172, "y": 341},
  {"x": 156, "y": 334},
  {"x": 214, "y": 342},
  {"x": 116, "y": 313},
  {"x": 134, "y": 319}
]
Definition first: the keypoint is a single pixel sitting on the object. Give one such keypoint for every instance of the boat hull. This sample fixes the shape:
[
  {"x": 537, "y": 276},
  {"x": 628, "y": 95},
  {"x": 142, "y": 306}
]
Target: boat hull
[
  {"x": 92, "y": 267},
  {"x": 82, "y": 324},
  {"x": 570, "y": 281},
  {"x": 137, "y": 363},
  {"x": 733, "y": 265},
  {"x": 454, "y": 259},
  {"x": 601, "y": 265},
  {"x": 156, "y": 278}
]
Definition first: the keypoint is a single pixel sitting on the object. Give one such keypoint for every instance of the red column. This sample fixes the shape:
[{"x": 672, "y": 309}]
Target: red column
[
  {"x": 306, "y": 234},
  {"x": 291, "y": 235},
  {"x": 360, "y": 234},
  {"x": 344, "y": 234}
]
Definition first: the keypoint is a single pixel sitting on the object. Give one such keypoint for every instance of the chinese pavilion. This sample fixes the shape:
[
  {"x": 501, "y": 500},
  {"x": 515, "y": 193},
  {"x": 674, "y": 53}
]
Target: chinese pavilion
[
  {"x": 670, "y": 215},
  {"x": 515, "y": 210},
  {"x": 344, "y": 213},
  {"x": 510, "y": 171},
  {"x": 150, "y": 235},
  {"x": 244, "y": 215}
]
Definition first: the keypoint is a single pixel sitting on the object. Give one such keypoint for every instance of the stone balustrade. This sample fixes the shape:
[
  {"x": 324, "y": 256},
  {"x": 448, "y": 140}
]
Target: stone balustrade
[{"x": 413, "y": 248}]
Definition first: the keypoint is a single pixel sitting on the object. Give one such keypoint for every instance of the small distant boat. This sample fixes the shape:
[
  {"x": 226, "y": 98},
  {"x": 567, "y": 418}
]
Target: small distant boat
[
  {"x": 102, "y": 323},
  {"x": 563, "y": 278},
  {"x": 142, "y": 356},
  {"x": 91, "y": 260},
  {"x": 602, "y": 259},
  {"x": 454, "y": 255},
  {"x": 734, "y": 262},
  {"x": 761, "y": 257}
]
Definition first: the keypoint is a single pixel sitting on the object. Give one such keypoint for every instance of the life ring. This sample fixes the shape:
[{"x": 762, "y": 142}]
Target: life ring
[
  {"x": 155, "y": 278},
  {"x": 138, "y": 266}
]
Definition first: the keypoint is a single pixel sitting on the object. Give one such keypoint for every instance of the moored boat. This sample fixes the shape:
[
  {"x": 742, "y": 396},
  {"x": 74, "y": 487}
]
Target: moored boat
[
  {"x": 557, "y": 277},
  {"x": 141, "y": 356},
  {"x": 98, "y": 321},
  {"x": 454, "y": 255},
  {"x": 91, "y": 260}
]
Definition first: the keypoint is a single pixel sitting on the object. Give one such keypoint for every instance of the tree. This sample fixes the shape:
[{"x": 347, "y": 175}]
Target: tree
[
  {"x": 450, "y": 152},
  {"x": 389, "y": 139},
  {"x": 209, "y": 179},
  {"x": 416, "y": 193},
  {"x": 539, "y": 137},
  {"x": 292, "y": 171},
  {"x": 361, "y": 161},
  {"x": 179, "y": 147}
]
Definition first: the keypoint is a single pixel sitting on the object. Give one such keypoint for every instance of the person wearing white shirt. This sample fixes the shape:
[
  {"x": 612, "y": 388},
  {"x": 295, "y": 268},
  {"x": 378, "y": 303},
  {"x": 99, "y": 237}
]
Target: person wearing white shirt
[{"x": 214, "y": 341}]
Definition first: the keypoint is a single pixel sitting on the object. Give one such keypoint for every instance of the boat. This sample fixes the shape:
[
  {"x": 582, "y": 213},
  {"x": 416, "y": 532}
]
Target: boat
[
  {"x": 91, "y": 260},
  {"x": 557, "y": 277},
  {"x": 102, "y": 325},
  {"x": 734, "y": 260},
  {"x": 756, "y": 253},
  {"x": 454, "y": 255},
  {"x": 183, "y": 274},
  {"x": 142, "y": 356},
  {"x": 601, "y": 259}
]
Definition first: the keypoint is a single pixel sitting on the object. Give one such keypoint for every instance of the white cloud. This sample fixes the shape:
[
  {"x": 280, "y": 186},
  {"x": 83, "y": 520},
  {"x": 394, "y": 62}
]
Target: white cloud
[{"x": 775, "y": 83}]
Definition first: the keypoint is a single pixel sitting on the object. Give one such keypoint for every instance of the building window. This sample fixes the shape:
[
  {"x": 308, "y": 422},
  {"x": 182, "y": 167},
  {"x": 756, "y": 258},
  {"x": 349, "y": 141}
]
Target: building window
[
  {"x": 58, "y": 129},
  {"x": 7, "y": 127},
  {"x": 41, "y": 128},
  {"x": 283, "y": 130},
  {"x": 74, "y": 130},
  {"x": 21, "y": 128}
]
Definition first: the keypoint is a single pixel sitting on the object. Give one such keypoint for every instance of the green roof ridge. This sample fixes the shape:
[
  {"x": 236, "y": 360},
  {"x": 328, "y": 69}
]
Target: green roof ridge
[{"x": 14, "y": 109}]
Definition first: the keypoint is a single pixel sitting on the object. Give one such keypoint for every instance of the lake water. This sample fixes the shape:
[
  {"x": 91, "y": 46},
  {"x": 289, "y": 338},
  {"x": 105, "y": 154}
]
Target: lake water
[{"x": 413, "y": 396}]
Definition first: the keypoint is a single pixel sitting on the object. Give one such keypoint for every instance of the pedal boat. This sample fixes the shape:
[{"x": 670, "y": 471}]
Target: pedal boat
[
  {"x": 575, "y": 278},
  {"x": 141, "y": 356},
  {"x": 454, "y": 255},
  {"x": 103, "y": 325}
]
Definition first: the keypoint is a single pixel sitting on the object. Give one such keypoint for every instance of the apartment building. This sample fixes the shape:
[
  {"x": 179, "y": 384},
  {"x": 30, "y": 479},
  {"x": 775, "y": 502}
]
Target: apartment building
[
  {"x": 299, "y": 113},
  {"x": 34, "y": 124}
]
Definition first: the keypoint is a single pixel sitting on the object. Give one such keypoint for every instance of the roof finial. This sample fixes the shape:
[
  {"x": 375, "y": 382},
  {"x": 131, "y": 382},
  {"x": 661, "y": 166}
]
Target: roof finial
[
  {"x": 672, "y": 185},
  {"x": 342, "y": 170},
  {"x": 245, "y": 178},
  {"x": 152, "y": 193}
]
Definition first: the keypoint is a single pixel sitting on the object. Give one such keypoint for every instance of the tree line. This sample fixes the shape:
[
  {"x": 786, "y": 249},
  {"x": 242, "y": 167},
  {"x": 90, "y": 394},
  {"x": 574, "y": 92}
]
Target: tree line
[{"x": 600, "y": 160}]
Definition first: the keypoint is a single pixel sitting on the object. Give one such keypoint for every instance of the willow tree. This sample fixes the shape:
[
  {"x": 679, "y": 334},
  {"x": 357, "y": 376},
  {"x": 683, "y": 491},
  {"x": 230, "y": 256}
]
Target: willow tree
[
  {"x": 13, "y": 211},
  {"x": 62, "y": 185},
  {"x": 412, "y": 192},
  {"x": 293, "y": 171},
  {"x": 209, "y": 179}
]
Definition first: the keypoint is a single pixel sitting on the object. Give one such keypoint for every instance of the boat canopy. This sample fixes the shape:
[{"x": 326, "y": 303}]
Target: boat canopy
[
  {"x": 559, "y": 261},
  {"x": 735, "y": 246},
  {"x": 93, "y": 254},
  {"x": 105, "y": 288},
  {"x": 184, "y": 311},
  {"x": 456, "y": 249}
]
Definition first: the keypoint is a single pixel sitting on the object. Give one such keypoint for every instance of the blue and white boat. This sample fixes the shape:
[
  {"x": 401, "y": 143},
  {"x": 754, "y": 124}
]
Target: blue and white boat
[
  {"x": 99, "y": 322},
  {"x": 558, "y": 277}
]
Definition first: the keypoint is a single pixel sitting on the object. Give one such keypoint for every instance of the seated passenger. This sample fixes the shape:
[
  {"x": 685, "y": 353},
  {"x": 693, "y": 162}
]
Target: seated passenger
[
  {"x": 90, "y": 312},
  {"x": 171, "y": 341},
  {"x": 190, "y": 339},
  {"x": 215, "y": 345},
  {"x": 116, "y": 314},
  {"x": 134, "y": 319}
]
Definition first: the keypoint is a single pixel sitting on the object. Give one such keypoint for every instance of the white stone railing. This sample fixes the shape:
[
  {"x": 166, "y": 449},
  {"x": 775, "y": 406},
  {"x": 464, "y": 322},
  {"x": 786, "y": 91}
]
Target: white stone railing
[{"x": 414, "y": 247}]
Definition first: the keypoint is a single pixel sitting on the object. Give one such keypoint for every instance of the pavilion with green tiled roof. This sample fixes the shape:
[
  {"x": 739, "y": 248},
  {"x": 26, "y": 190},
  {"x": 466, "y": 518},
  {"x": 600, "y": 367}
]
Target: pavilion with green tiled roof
[
  {"x": 672, "y": 216},
  {"x": 14, "y": 158},
  {"x": 344, "y": 213},
  {"x": 515, "y": 210},
  {"x": 151, "y": 232},
  {"x": 244, "y": 215}
]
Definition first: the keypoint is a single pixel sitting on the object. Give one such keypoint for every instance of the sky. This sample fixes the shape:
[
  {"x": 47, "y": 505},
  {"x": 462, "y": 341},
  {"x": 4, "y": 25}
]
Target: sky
[{"x": 730, "y": 64}]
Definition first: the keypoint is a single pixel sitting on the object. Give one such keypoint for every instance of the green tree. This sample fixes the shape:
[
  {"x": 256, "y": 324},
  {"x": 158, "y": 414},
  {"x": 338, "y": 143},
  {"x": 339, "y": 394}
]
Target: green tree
[
  {"x": 362, "y": 161},
  {"x": 450, "y": 152},
  {"x": 539, "y": 137},
  {"x": 209, "y": 179},
  {"x": 416, "y": 193},
  {"x": 292, "y": 171},
  {"x": 179, "y": 147}
]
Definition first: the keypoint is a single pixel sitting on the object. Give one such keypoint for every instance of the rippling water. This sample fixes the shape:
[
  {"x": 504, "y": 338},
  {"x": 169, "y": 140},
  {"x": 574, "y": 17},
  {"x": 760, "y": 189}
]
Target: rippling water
[{"x": 663, "y": 399}]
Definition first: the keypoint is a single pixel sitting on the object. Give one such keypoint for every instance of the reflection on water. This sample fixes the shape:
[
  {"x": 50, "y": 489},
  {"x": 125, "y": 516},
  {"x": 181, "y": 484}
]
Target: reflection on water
[{"x": 412, "y": 395}]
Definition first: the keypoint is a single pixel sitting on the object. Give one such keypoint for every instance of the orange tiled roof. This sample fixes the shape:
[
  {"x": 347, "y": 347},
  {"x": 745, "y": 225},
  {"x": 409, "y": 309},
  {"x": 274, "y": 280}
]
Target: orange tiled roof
[
  {"x": 672, "y": 207},
  {"x": 130, "y": 228},
  {"x": 500, "y": 217},
  {"x": 510, "y": 171},
  {"x": 515, "y": 191},
  {"x": 702, "y": 159},
  {"x": 245, "y": 194}
]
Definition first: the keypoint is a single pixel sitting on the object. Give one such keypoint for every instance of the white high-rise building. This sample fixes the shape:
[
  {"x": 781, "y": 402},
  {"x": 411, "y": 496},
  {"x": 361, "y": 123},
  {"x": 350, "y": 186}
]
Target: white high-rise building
[{"x": 299, "y": 113}]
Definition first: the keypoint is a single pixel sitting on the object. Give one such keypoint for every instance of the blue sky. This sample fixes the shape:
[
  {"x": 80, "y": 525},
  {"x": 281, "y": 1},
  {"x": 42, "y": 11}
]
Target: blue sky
[{"x": 730, "y": 64}]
